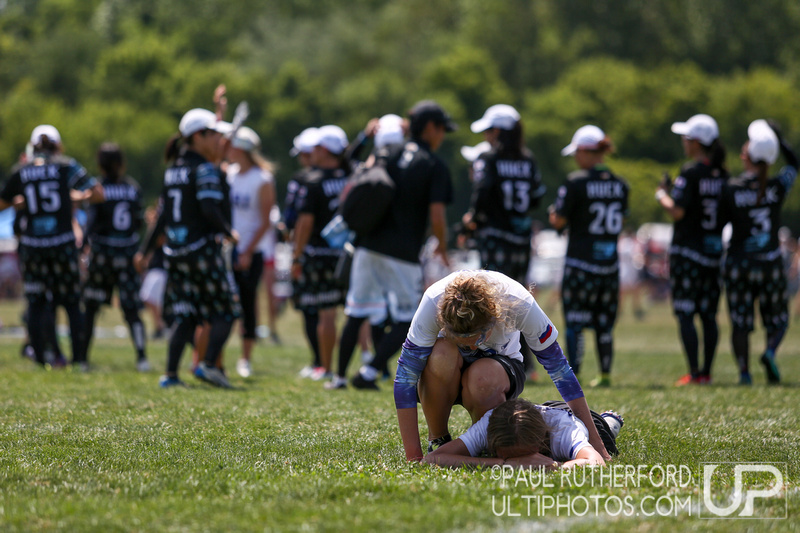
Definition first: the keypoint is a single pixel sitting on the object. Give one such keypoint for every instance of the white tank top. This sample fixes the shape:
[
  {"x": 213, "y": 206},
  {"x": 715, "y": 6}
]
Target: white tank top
[{"x": 246, "y": 203}]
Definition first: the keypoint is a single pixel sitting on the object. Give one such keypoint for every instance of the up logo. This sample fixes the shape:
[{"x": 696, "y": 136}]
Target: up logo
[{"x": 759, "y": 495}]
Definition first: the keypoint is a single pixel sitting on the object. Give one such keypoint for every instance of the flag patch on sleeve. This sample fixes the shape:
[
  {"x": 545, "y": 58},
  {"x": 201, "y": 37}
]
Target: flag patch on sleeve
[{"x": 546, "y": 335}]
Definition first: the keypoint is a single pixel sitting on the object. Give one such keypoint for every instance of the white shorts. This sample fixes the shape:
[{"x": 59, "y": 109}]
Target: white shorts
[
  {"x": 382, "y": 286},
  {"x": 153, "y": 285}
]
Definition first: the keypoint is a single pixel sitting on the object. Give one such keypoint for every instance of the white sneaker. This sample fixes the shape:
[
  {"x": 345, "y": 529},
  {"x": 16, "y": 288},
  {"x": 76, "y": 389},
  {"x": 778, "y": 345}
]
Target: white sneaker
[
  {"x": 212, "y": 375},
  {"x": 336, "y": 382},
  {"x": 320, "y": 374},
  {"x": 366, "y": 357},
  {"x": 143, "y": 365},
  {"x": 306, "y": 371},
  {"x": 243, "y": 368}
]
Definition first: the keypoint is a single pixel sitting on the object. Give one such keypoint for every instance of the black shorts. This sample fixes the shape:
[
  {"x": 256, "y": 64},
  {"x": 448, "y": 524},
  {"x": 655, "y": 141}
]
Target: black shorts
[
  {"x": 199, "y": 287},
  {"x": 748, "y": 280},
  {"x": 590, "y": 300},
  {"x": 503, "y": 256},
  {"x": 51, "y": 274},
  {"x": 111, "y": 267},
  {"x": 515, "y": 370},
  {"x": 695, "y": 288},
  {"x": 318, "y": 286}
]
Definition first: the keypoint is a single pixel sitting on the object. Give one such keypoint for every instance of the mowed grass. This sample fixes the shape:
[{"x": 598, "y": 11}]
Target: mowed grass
[{"x": 111, "y": 451}]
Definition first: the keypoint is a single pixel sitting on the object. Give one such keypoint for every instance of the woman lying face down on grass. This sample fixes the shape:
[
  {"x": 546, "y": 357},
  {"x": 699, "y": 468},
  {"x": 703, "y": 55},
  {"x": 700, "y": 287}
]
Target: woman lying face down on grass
[{"x": 522, "y": 434}]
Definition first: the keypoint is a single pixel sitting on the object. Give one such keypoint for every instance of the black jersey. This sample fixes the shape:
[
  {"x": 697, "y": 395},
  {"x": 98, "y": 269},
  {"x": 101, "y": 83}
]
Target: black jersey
[
  {"x": 698, "y": 235},
  {"x": 595, "y": 203},
  {"x": 755, "y": 224},
  {"x": 320, "y": 197},
  {"x": 117, "y": 220},
  {"x": 506, "y": 189},
  {"x": 290, "y": 204},
  {"x": 421, "y": 178},
  {"x": 188, "y": 182},
  {"x": 46, "y": 183}
]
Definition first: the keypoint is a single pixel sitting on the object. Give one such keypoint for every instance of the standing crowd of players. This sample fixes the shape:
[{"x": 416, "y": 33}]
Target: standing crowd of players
[{"x": 217, "y": 222}]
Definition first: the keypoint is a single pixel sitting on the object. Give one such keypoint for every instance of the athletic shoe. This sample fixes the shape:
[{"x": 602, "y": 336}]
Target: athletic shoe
[
  {"x": 243, "y": 368},
  {"x": 438, "y": 441},
  {"x": 603, "y": 381},
  {"x": 688, "y": 379},
  {"x": 773, "y": 375},
  {"x": 360, "y": 382},
  {"x": 336, "y": 382},
  {"x": 703, "y": 380},
  {"x": 614, "y": 421},
  {"x": 59, "y": 361},
  {"x": 212, "y": 375},
  {"x": 745, "y": 378},
  {"x": 321, "y": 374},
  {"x": 307, "y": 371},
  {"x": 143, "y": 365},
  {"x": 27, "y": 351},
  {"x": 169, "y": 381},
  {"x": 533, "y": 377}
]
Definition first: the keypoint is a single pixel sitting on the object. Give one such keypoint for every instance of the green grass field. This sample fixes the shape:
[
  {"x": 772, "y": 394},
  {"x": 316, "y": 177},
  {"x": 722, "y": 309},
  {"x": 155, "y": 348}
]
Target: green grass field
[{"x": 111, "y": 451}]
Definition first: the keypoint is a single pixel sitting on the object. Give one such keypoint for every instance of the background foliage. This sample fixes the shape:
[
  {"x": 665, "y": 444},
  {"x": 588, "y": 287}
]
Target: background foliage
[{"x": 126, "y": 70}]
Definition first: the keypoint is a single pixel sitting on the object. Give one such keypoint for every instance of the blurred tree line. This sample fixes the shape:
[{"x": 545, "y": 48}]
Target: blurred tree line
[{"x": 126, "y": 70}]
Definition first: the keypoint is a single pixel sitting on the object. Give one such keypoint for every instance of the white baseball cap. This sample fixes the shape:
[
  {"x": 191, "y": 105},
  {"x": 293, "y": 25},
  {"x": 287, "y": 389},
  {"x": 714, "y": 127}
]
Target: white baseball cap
[
  {"x": 471, "y": 153},
  {"x": 45, "y": 130},
  {"x": 587, "y": 137},
  {"x": 763, "y": 145},
  {"x": 701, "y": 128},
  {"x": 246, "y": 139},
  {"x": 390, "y": 131},
  {"x": 500, "y": 116},
  {"x": 304, "y": 142},
  {"x": 198, "y": 120},
  {"x": 332, "y": 138}
]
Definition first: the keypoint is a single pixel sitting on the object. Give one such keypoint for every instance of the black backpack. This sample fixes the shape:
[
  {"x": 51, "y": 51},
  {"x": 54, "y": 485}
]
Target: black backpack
[{"x": 367, "y": 198}]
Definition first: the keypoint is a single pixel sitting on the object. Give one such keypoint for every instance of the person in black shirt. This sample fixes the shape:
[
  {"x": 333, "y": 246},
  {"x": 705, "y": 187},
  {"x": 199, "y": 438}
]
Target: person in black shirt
[
  {"x": 49, "y": 183},
  {"x": 113, "y": 232},
  {"x": 391, "y": 286},
  {"x": 313, "y": 260},
  {"x": 696, "y": 250},
  {"x": 752, "y": 203},
  {"x": 507, "y": 186},
  {"x": 193, "y": 214},
  {"x": 594, "y": 203}
]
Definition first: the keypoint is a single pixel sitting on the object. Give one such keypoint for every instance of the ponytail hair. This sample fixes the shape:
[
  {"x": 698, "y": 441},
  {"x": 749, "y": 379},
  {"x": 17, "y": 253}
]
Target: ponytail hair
[
  {"x": 173, "y": 148},
  {"x": 511, "y": 142},
  {"x": 762, "y": 173},
  {"x": 716, "y": 154},
  {"x": 111, "y": 160}
]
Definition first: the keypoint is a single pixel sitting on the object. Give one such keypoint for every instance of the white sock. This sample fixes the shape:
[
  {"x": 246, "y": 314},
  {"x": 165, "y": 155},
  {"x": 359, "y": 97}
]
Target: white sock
[{"x": 369, "y": 373}]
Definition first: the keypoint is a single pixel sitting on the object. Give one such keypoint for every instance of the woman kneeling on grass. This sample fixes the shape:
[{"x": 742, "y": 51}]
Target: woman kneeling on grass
[
  {"x": 521, "y": 434},
  {"x": 463, "y": 347}
]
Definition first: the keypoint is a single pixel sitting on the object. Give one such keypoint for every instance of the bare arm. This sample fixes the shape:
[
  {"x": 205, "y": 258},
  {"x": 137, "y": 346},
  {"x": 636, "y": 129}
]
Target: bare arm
[
  {"x": 438, "y": 217},
  {"x": 585, "y": 456},
  {"x": 557, "y": 221},
  {"x": 668, "y": 204},
  {"x": 581, "y": 409},
  {"x": 409, "y": 433},
  {"x": 266, "y": 195},
  {"x": 455, "y": 454}
]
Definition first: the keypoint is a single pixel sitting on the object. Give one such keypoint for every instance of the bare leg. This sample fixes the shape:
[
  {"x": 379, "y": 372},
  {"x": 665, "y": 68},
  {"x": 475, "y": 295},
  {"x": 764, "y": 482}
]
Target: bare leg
[
  {"x": 484, "y": 386},
  {"x": 439, "y": 386},
  {"x": 326, "y": 332}
]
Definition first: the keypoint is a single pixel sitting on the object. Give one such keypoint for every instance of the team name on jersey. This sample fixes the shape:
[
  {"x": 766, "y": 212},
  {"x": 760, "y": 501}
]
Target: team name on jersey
[
  {"x": 36, "y": 173},
  {"x": 710, "y": 186},
  {"x": 750, "y": 198},
  {"x": 119, "y": 192},
  {"x": 241, "y": 200},
  {"x": 605, "y": 189},
  {"x": 176, "y": 176},
  {"x": 333, "y": 187},
  {"x": 513, "y": 169}
]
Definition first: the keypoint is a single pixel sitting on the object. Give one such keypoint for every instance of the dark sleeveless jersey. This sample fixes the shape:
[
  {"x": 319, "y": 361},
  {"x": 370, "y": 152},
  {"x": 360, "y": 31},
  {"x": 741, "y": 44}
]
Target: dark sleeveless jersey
[
  {"x": 320, "y": 197},
  {"x": 187, "y": 182},
  {"x": 290, "y": 203},
  {"x": 46, "y": 183},
  {"x": 506, "y": 189},
  {"x": 755, "y": 224},
  {"x": 117, "y": 220},
  {"x": 595, "y": 203},
  {"x": 698, "y": 235}
]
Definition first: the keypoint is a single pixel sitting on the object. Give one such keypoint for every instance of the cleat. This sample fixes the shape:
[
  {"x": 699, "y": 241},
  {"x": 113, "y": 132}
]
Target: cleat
[
  {"x": 170, "y": 381},
  {"x": 438, "y": 442},
  {"x": 321, "y": 374},
  {"x": 703, "y": 380},
  {"x": 688, "y": 379},
  {"x": 603, "y": 381},
  {"x": 745, "y": 378},
  {"x": 360, "y": 382},
  {"x": 143, "y": 365},
  {"x": 307, "y": 371},
  {"x": 212, "y": 375},
  {"x": 614, "y": 421},
  {"x": 773, "y": 375},
  {"x": 243, "y": 368},
  {"x": 336, "y": 382}
]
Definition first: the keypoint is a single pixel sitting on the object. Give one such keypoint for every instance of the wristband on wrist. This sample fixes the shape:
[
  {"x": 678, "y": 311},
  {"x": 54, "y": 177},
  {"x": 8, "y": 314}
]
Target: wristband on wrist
[{"x": 660, "y": 193}]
